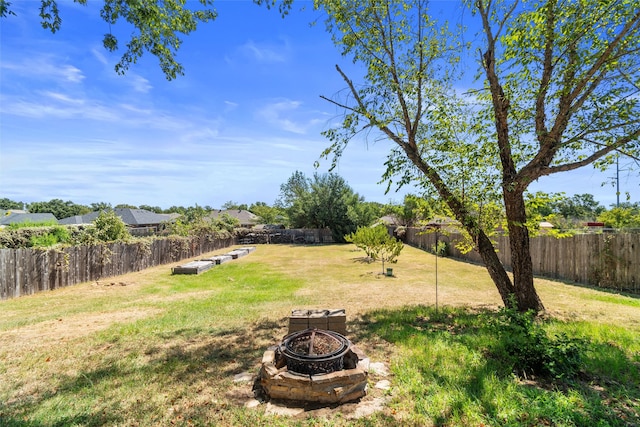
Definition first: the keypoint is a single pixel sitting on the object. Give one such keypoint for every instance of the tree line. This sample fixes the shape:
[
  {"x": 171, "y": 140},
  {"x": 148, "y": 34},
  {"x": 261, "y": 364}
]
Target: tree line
[{"x": 327, "y": 201}]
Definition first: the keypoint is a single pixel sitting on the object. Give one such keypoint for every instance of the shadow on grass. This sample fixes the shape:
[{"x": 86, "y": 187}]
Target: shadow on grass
[
  {"x": 362, "y": 260},
  {"x": 443, "y": 375},
  {"x": 447, "y": 369},
  {"x": 187, "y": 375}
]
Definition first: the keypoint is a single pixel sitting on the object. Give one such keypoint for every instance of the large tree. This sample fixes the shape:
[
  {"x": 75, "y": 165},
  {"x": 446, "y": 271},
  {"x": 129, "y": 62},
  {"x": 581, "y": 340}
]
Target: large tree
[
  {"x": 59, "y": 208},
  {"x": 558, "y": 90},
  {"x": 324, "y": 201}
]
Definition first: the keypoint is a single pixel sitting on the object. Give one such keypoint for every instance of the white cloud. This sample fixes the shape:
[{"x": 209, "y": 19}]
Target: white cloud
[
  {"x": 264, "y": 52},
  {"x": 230, "y": 106},
  {"x": 138, "y": 83},
  {"x": 45, "y": 67},
  {"x": 289, "y": 116},
  {"x": 205, "y": 135},
  {"x": 99, "y": 56},
  {"x": 71, "y": 73},
  {"x": 57, "y": 96}
]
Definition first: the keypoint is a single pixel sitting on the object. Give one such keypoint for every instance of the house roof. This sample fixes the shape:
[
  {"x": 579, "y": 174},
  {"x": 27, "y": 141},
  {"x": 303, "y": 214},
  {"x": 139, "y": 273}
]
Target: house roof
[
  {"x": 76, "y": 219},
  {"x": 141, "y": 217},
  {"x": 4, "y": 212},
  {"x": 133, "y": 217},
  {"x": 16, "y": 218},
  {"x": 245, "y": 217},
  {"x": 389, "y": 220}
]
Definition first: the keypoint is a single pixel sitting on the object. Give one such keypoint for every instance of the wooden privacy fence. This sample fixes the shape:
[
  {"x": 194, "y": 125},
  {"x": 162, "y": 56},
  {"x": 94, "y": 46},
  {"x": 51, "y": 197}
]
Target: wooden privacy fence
[
  {"x": 604, "y": 260},
  {"x": 289, "y": 235},
  {"x": 27, "y": 271}
]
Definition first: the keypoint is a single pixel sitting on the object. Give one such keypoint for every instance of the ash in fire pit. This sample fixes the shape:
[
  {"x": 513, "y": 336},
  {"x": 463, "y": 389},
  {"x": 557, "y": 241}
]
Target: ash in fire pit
[
  {"x": 314, "y": 365},
  {"x": 315, "y": 351},
  {"x": 312, "y": 343}
]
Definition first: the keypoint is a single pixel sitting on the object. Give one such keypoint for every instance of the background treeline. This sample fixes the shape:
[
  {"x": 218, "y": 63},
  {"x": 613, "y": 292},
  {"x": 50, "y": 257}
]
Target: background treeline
[{"x": 327, "y": 201}]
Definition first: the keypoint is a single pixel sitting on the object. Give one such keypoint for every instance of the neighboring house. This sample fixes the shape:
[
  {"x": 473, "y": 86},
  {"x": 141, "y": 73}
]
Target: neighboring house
[
  {"x": 13, "y": 217},
  {"x": 140, "y": 219},
  {"x": 269, "y": 227},
  {"x": 389, "y": 220},
  {"x": 445, "y": 224},
  {"x": 4, "y": 212},
  {"x": 246, "y": 218},
  {"x": 545, "y": 227}
]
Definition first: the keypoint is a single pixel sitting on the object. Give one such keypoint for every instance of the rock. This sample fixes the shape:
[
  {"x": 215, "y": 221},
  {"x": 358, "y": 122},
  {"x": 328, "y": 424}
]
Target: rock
[
  {"x": 379, "y": 368},
  {"x": 383, "y": 385},
  {"x": 252, "y": 403},
  {"x": 243, "y": 377},
  {"x": 273, "y": 409},
  {"x": 368, "y": 408}
]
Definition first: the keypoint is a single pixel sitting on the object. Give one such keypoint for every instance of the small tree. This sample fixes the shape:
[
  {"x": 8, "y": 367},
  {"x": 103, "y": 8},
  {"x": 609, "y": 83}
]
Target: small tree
[{"x": 376, "y": 243}]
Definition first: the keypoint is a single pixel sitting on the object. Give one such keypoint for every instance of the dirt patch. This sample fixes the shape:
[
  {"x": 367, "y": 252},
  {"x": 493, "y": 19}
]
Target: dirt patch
[
  {"x": 67, "y": 328},
  {"x": 108, "y": 283}
]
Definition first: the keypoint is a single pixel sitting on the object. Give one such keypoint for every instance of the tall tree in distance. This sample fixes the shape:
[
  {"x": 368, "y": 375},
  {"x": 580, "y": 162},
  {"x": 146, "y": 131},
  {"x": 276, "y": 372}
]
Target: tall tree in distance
[
  {"x": 325, "y": 201},
  {"x": 59, "y": 208},
  {"x": 9, "y": 204},
  {"x": 559, "y": 91}
]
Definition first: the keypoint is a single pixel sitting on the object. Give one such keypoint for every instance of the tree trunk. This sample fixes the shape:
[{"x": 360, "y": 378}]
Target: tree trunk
[
  {"x": 521, "y": 264},
  {"x": 495, "y": 268}
]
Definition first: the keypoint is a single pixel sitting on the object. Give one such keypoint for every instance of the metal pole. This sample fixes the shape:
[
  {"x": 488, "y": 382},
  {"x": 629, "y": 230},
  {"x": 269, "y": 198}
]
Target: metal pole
[
  {"x": 436, "y": 271},
  {"x": 618, "y": 180}
]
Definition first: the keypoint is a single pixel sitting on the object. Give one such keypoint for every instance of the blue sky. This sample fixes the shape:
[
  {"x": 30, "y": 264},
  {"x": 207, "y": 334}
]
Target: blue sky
[{"x": 245, "y": 116}]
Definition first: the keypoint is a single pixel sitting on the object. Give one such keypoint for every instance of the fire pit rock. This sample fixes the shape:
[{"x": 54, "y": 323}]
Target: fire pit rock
[{"x": 345, "y": 384}]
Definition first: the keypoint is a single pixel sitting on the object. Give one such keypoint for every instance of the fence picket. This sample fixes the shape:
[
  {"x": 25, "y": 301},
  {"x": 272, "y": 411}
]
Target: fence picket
[
  {"x": 605, "y": 260},
  {"x": 27, "y": 271}
]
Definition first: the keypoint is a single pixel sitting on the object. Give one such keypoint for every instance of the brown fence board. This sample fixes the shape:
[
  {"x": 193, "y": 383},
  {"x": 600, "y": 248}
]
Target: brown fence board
[
  {"x": 605, "y": 260},
  {"x": 27, "y": 271}
]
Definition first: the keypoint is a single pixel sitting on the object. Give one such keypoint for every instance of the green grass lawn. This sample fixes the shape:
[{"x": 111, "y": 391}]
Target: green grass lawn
[{"x": 152, "y": 349}]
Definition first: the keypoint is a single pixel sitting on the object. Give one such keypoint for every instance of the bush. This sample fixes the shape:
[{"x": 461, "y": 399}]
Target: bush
[
  {"x": 32, "y": 224},
  {"x": 56, "y": 235},
  {"x": 442, "y": 250},
  {"x": 525, "y": 347},
  {"x": 109, "y": 227},
  {"x": 28, "y": 237}
]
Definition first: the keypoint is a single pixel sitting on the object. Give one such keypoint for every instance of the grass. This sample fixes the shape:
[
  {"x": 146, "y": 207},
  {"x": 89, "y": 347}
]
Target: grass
[{"x": 149, "y": 348}]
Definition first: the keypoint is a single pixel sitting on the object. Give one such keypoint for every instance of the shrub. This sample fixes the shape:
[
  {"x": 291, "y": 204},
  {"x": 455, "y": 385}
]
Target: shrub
[
  {"x": 442, "y": 250},
  {"x": 525, "y": 347},
  {"x": 32, "y": 224},
  {"x": 109, "y": 227},
  {"x": 57, "y": 234}
]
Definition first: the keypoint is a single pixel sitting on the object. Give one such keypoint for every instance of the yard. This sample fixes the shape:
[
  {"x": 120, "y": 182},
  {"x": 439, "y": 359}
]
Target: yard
[{"x": 149, "y": 348}]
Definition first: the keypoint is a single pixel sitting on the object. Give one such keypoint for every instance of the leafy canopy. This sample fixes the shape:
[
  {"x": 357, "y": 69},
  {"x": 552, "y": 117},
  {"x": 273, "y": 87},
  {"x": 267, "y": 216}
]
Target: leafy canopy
[
  {"x": 559, "y": 91},
  {"x": 324, "y": 201}
]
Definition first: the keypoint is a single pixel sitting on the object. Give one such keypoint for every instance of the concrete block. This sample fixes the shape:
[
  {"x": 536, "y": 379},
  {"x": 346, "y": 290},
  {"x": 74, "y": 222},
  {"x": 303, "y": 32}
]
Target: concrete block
[{"x": 193, "y": 267}]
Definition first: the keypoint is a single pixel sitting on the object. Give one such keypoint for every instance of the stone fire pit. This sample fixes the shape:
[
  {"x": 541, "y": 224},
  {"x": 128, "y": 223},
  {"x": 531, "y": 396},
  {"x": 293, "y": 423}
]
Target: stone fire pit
[{"x": 336, "y": 371}]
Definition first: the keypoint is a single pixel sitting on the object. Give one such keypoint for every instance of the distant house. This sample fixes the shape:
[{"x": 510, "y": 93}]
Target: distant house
[
  {"x": 5, "y": 212},
  {"x": 12, "y": 217},
  {"x": 545, "y": 227},
  {"x": 141, "y": 220},
  {"x": 246, "y": 218},
  {"x": 391, "y": 220}
]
